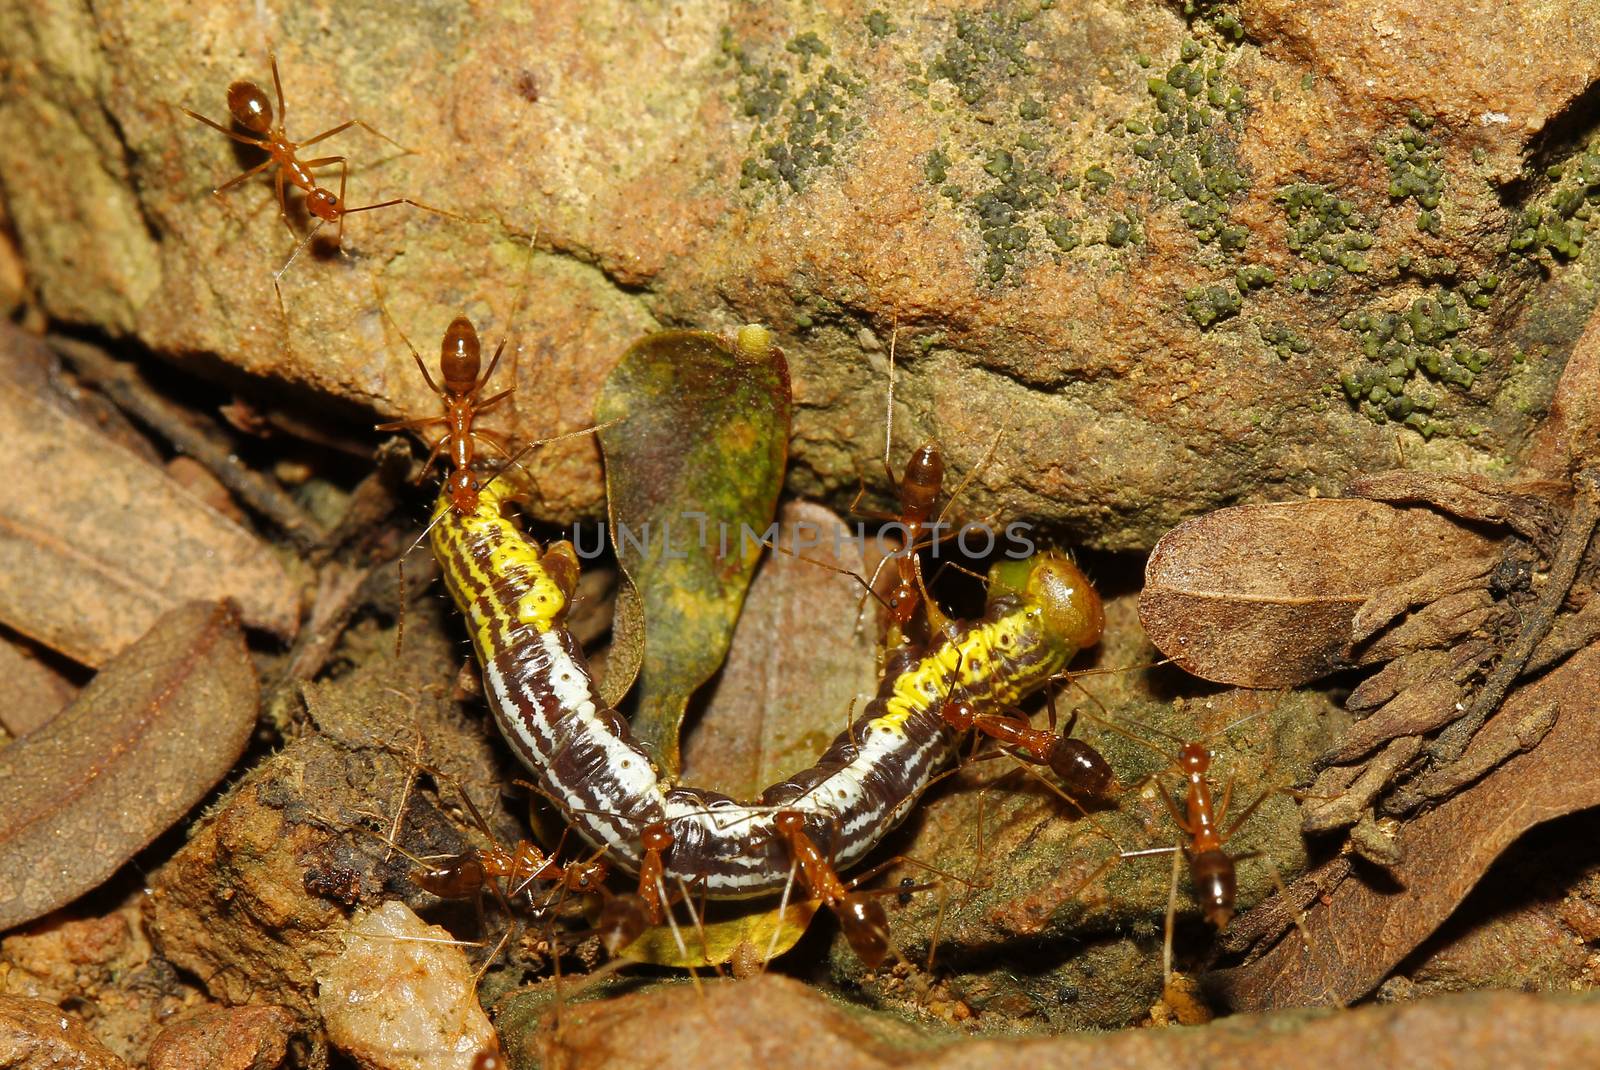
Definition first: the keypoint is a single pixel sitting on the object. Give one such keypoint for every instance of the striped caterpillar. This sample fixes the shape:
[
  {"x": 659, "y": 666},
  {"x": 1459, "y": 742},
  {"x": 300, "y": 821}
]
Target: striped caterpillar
[{"x": 515, "y": 597}]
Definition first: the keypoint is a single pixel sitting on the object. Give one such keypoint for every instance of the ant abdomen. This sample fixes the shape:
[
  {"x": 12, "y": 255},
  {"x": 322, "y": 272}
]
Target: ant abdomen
[
  {"x": 1083, "y": 772},
  {"x": 922, "y": 480},
  {"x": 1215, "y": 884},
  {"x": 248, "y": 105},
  {"x": 623, "y": 919},
  {"x": 460, "y": 877},
  {"x": 866, "y": 927},
  {"x": 460, "y": 356}
]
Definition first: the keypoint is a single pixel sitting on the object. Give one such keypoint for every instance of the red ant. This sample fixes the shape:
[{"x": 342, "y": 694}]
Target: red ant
[
  {"x": 624, "y": 918},
  {"x": 1212, "y": 870},
  {"x": 249, "y": 107},
  {"x": 861, "y": 916},
  {"x": 1083, "y": 771},
  {"x": 467, "y": 874},
  {"x": 917, "y": 490},
  {"x": 460, "y": 357}
]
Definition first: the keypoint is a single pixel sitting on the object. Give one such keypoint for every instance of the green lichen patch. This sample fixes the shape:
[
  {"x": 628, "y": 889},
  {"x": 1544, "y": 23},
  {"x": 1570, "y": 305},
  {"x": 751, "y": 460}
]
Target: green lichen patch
[
  {"x": 1413, "y": 158},
  {"x": 1284, "y": 340},
  {"x": 984, "y": 49},
  {"x": 1188, "y": 143},
  {"x": 803, "y": 110},
  {"x": 1327, "y": 232},
  {"x": 1207, "y": 305},
  {"x": 1412, "y": 355},
  {"x": 1553, "y": 225}
]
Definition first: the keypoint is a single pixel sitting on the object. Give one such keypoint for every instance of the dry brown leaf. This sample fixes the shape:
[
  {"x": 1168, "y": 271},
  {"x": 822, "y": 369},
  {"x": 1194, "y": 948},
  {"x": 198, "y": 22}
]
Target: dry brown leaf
[
  {"x": 1534, "y": 509},
  {"x": 144, "y": 742},
  {"x": 1565, "y": 440},
  {"x": 1363, "y": 929},
  {"x": 1437, "y": 624},
  {"x": 1341, "y": 794},
  {"x": 96, "y": 544},
  {"x": 1447, "y": 578},
  {"x": 35, "y": 690},
  {"x": 1405, "y": 671},
  {"x": 779, "y": 1024},
  {"x": 1264, "y": 595}
]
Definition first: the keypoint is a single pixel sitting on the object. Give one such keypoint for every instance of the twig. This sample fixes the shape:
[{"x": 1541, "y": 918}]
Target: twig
[
  {"x": 121, "y": 383},
  {"x": 1564, "y": 566},
  {"x": 1446, "y": 780}
]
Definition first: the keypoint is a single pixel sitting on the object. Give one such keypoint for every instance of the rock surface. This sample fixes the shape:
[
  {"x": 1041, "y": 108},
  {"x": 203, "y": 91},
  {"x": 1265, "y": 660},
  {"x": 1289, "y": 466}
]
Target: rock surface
[
  {"x": 1177, "y": 262},
  {"x": 776, "y": 1023}
]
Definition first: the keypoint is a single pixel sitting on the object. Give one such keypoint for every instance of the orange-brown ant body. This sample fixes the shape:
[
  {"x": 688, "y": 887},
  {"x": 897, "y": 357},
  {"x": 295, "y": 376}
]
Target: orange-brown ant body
[
  {"x": 1084, "y": 773},
  {"x": 624, "y": 917},
  {"x": 861, "y": 916},
  {"x": 460, "y": 358},
  {"x": 249, "y": 107},
  {"x": 470, "y": 873}
]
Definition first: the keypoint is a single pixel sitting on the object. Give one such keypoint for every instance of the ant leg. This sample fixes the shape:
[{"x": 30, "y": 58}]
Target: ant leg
[
  {"x": 1172, "y": 808},
  {"x": 1245, "y": 814},
  {"x": 490, "y": 438},
  {"x": 433, "y": 455},
  {"x": 257, "y": 142},
  {"x": 494, "y": 362},
  {"x": 409, "y": 425},
  {"x": 493, "y": 400},
  {"x": 1172, "y": 918},
  {"x": 383, "y": 307},
  {"x": 368, "y": 127},
  {"x": 888, "y": 413},
  {"x": 1221, "y": 810},
  {"x": 283, "y": 213},
  {"x": 344, "y": 174},
  {"x": 232, "y": 182}
]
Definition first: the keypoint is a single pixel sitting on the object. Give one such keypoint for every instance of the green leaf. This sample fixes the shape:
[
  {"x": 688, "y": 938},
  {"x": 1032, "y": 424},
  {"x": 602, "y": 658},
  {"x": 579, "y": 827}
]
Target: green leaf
[{"x": 694, "y": 460}]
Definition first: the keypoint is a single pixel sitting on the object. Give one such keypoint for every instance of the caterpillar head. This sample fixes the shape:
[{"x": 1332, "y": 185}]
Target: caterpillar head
[{"x": 1069, "y": 604}]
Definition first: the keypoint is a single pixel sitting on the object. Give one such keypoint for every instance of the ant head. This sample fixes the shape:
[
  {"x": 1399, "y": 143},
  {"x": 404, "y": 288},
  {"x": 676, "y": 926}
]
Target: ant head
[
  {"x": 1194, "y": 758},
  {"x": 582, "y": 878},
  {"x": 866, "y": 926},
  {"x": 656, "y": 837},
  {"x": 623, "y": 919},
  {"x": 1216, "y": 884},
  {"x": 460, "y": 356},
  {"x": 958, "y": 714},
  {"x": 324, "y": 204},
  {"x": 1073, "y": 613},
  {"x": 903, "y": 602},
  {"x": 463, "y": 484},
  {"x": 249, "y": 107},
  {"x": 789, "y": 822},
  {"x": 1083, "y": 772}
]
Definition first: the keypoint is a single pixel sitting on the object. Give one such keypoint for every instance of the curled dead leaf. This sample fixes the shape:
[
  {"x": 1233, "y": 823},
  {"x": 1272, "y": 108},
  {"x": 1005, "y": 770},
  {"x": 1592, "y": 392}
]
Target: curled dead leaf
[
  {"x": 151, "y": 734},
  {"x": 1265, "y": 595},
  {"x": 1364, "y": 927}
]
